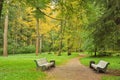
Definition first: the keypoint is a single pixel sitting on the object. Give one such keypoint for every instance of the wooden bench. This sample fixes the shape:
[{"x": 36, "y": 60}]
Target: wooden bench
[
  {"x": 43, "y": 64},
  {"x": 100, "y": 67}
]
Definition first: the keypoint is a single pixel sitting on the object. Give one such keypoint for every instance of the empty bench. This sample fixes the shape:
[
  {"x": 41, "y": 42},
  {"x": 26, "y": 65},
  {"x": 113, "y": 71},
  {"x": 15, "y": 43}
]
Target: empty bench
[
  {"x": 100, "y": 67},
  {"x": 43, "y": 64}
]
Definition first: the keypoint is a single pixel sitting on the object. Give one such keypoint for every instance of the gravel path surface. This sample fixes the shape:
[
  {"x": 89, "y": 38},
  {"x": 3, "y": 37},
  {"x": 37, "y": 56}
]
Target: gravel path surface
[{"x": 72, "y": 70}]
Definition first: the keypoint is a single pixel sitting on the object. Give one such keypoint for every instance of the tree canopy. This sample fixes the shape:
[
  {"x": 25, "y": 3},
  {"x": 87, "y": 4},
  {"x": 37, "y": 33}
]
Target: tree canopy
[{"x": 61, "y": 25}]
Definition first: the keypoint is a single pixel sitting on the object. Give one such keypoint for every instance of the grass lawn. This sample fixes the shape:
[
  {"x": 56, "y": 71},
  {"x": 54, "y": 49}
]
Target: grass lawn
[
  {"x": 23, "y": 67},
  {"x": 111, "y": 78},
  {"x": 114, "y": 64}
]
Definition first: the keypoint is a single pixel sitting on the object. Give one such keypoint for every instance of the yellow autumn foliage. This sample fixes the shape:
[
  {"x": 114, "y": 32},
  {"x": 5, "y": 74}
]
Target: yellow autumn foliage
[{"x": 49, "y": 23}]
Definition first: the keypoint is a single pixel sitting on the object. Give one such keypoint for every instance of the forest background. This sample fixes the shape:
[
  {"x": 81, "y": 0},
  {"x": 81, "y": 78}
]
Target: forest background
[{"x": 29, "y": 26}]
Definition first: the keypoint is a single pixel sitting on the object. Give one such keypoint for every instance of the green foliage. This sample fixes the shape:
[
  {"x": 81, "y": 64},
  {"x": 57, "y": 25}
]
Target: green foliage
[
  {"x": 27, "y": 49},
  {"x": 86, "y": 25},
  {"x": 1, "y": 37},
  {"x": 46, "y": 47},
  {"x": 23, "y": 50},
  {"x": 38, "y": 5},
  {"x": 1, "y": 51},
  {"x": 103, "y": 32}
]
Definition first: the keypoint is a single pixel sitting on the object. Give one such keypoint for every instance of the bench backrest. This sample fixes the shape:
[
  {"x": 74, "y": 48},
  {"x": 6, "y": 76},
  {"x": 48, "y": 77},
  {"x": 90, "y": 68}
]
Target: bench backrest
[
  {"x": 102, "y": 64},
  {"x": 41, "y": 61}
]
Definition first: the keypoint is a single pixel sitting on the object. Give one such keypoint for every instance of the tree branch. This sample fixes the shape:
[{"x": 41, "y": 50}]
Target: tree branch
[{"x": 49, "y": 16}]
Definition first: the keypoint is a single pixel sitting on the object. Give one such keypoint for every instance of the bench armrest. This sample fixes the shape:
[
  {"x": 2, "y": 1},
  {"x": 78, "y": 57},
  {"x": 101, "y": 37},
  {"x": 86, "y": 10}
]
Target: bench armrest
[
  {"x": 90, "y": 64},
  {"x": 52, "y": 61}
]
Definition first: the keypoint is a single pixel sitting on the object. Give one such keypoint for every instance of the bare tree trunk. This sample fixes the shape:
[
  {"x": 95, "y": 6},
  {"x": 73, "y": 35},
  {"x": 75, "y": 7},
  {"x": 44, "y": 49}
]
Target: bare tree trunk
[
  {"x": 95, "y": 52},
  {"x": 60, "y": 48},
  {"x": 60, "y": 44},
  {"x": 69, "y": 47},
  {"x": 1, "y": 6},
  {"x": 37, "y": 38},
  {"x": 1, "y": 24},
  {"x": 5, "y": 43},
  {"x": 40, "y": 43}
]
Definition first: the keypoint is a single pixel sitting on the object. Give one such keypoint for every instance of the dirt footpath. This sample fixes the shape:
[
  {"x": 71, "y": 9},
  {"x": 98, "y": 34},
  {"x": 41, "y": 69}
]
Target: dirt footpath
[{"x": 72, "y": 70}]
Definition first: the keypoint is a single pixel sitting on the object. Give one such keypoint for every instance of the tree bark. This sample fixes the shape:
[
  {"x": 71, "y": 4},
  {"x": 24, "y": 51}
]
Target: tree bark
[
  {"x": 60, "y": 44},
  {"x": 5, "y": 43},
  {"x": 37, "y": 37},
  {"x": 69, "y": 47},
  {"x": 40, "y": 43},
  {"x": 95, "y": 54},
  {"x": 1, "y": 6}
]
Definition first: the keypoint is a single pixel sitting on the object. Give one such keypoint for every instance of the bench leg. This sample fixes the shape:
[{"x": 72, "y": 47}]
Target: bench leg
[
  {"x": 98, "y": 70},
  {"x": 43, "y": 68}
]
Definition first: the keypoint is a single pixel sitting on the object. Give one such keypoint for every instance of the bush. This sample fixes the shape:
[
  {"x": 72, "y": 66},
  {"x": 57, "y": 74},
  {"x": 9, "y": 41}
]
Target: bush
[
  {"x": 24, "y": 49},
  {"x": 11, "y": 49},
  {"x": 104, "y": 54},
  {"x": 28, "y": 49},
  {"x": 1, "y": 51}
]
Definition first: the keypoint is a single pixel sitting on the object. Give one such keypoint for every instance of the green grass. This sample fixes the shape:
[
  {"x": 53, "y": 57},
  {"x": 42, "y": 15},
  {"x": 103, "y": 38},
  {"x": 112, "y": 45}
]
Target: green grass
[
  {"x": 114, "y": 61},
  {"x": 114, "y": 64},
  {"x": 111, "y": 78},
  {"x": 23, "y": 67}
]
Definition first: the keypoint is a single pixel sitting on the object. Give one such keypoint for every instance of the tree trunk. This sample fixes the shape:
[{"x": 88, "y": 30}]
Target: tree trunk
[
  {"x": 40, "y": 44},
  {"x": 1, "y": 6},
  {"x": 69, "y": 47},
  {"x": 50, "y": 48},
  {"x": 95, "y": 52},
  {"x": 5, "y": 44},
  {"x": 1, "y": 23},
  {"x": 37, "y": 37},
  {"x": 60, "y": 44}
]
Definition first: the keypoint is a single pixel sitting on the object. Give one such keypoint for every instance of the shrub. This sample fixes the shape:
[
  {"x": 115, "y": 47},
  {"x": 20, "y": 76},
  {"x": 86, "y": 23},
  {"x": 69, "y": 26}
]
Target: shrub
[
  {"x": 22, "y": 50},
  {"x": 104, "y": 54},
  {"x": 11, "y": 49},
  {"x": 1, "y": 51},
  {"x": 28, "y": 49}
]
